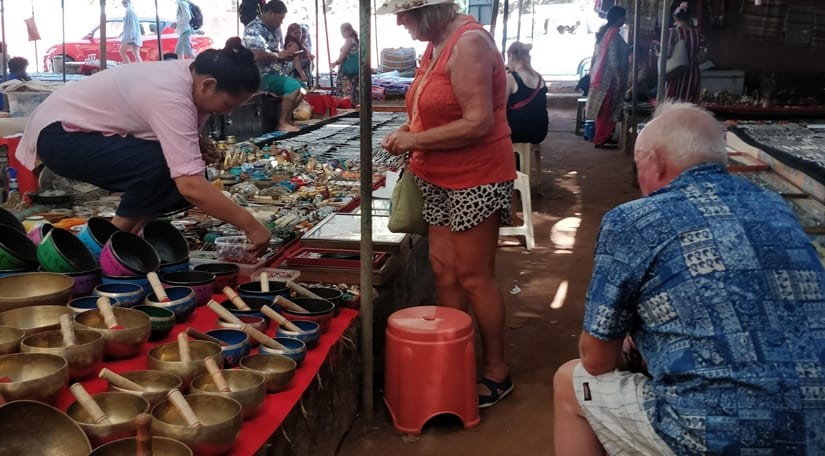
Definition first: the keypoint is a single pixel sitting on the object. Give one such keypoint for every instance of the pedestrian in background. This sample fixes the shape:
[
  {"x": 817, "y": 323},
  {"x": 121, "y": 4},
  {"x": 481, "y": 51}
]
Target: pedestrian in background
[
  {"x": 608, "y": 78},
  {"x": 184, "y": 47},
  {"x": 132, "y": 39}
]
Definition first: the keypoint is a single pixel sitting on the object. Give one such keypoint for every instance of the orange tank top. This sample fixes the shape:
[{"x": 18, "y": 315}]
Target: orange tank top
[{"x": 491, "y": 159}]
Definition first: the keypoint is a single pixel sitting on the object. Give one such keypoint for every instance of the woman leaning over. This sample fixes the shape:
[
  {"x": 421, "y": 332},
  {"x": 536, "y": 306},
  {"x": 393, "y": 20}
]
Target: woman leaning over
[
  {"x": 464, "y": 164},
  {"x": 608, "y": 78}
]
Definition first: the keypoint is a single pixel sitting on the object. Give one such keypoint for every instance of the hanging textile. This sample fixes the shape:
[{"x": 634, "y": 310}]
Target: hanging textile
[
  {"x": 31, "y": 28},
  {"x": 764, "y": 22},
  {"x": 799, "y": 26}
]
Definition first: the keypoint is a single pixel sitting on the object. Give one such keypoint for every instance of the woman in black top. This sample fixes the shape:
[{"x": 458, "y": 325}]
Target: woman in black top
[{"x": 527, "y": 102}]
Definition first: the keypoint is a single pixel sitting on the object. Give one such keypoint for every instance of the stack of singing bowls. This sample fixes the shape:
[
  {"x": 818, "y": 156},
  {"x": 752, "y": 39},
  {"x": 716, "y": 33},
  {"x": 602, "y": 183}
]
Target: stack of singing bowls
[
  {"x": 62, "y": 252},
  {"x": 170, "y": 245},
  {"x": 17, "y": 252}
]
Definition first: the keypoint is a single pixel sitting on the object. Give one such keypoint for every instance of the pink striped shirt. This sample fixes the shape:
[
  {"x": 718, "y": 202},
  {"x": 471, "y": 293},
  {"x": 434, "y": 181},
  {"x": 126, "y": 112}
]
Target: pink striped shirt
[{"x": 150, "y": 100}]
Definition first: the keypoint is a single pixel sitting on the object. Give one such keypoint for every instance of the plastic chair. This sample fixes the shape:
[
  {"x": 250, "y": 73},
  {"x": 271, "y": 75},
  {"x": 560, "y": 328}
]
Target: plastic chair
[
  {"x": 430, "y": 367},
  {"x": 522, "y": 185},
  {"x": 524, "y": 152},
  {"x": 580, "y": 104}
]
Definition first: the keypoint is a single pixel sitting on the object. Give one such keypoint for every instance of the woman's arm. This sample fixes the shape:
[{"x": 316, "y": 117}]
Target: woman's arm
[
  {"x": 345, "y": 49},
  {"x": 470, "y": 67}
]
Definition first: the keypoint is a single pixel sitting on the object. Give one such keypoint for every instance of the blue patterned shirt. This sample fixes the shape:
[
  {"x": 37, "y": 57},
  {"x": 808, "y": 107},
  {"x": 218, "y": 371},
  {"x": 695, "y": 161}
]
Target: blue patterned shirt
[
  {"x": 257, "y": 35},
  {"x": 724, "y": 296}
]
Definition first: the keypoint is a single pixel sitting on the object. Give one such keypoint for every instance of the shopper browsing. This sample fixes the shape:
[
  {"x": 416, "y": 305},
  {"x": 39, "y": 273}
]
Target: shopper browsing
[{"x": 131, "y": 39}]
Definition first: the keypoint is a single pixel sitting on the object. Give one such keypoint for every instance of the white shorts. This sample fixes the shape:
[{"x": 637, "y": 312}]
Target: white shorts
[{"x": 612, "y": 404}]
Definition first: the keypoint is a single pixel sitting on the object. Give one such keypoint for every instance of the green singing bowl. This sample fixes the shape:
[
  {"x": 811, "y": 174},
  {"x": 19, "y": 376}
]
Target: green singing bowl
[
  {"x": 167, "y": 358},
  {"x": 118, "y": 343},
  {"x": 34, "y": 376},
  {"x": 84, "y": 357},
  {"x": 220, "y": 416},
  {"x": 35, "y": 319},
  {"x": 32, "y": 428},
  {"x": 17, "y": 251},
  {"x": 161, "y": 446},
  {"x": 62, "y": 251},
  {"x": 10, "y": 338},
  {"x": 156, "y": 384},
  {"x": 122, "y": 410},
  {"x": 277, "y": 370},
  {"x": 35, "y": 289},
  {"x": 246, "y": 386}
]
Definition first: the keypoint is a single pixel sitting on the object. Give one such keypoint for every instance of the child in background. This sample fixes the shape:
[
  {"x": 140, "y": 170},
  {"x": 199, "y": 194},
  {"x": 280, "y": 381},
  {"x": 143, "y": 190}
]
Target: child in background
[{"x": 299, "y": 66}]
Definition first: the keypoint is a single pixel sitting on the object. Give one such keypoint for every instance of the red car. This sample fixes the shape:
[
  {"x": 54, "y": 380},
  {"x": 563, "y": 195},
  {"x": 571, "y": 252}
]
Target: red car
[{"x": 89, "y": 47}]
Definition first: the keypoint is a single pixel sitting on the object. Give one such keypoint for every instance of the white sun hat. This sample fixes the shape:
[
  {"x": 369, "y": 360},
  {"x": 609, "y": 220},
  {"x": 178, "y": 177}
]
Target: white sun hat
[{"x": 399, "y": 6}]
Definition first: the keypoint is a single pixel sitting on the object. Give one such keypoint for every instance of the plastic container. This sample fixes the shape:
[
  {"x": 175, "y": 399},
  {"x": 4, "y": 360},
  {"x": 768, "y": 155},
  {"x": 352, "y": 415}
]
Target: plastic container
[
  {"x": 22, "y": 104},
  {"x": 589, "y": 129},
  {"x": 234, "y": 250}
]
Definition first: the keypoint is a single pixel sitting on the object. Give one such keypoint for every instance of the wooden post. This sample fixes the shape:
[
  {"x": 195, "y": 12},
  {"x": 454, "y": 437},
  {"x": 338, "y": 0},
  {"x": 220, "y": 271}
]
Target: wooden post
[
  {"x": 660, "y": 94},
  {"x": 102, "y": 55},
  {"x": 158, "y": 30}
]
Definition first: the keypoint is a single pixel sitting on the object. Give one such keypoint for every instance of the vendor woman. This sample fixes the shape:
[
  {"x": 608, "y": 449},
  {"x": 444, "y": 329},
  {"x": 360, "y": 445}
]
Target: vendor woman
[{"x": 135, "y": 129}]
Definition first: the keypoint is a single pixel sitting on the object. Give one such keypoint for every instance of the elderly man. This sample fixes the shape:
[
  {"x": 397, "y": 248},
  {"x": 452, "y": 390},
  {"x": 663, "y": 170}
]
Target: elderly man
[
  {"x": 264, "y": 37},
  {"x": 724, "y": 296}
]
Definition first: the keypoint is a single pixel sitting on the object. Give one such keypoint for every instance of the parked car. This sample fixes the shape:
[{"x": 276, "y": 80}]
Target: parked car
[{"x": 89, "y": 45}]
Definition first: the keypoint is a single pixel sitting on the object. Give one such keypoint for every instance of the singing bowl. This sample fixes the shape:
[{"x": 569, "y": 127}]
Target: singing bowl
[
  {"x": 118, "y": 343},
  {"x": 162, "y": 321},
  {"x": 38, "y": 233},
  {"x": 84, "y": 281},
  {"x": 120, "y": 294},
  {"x": 246, "y": 387},
  {"x": 122, "y": 410},
  {"x": 253, "y": 290},
  {"x": 226, "y": 274},
  {"x": 254, "y": 303},
  {"x": 33, "y": 289},
  {"x": 332, "y": 295},
  {"x": 94, "y": 235},
  {"x": 277, "y": 370},
  {"x": 127, "y": 254},
  {"x": 237, "y": 344},
  {"x": 182, "y": 302},
  {"x": 221, "y": 418},
  {"x": 167, "y": 241},
  {"x": 309, "y": 334},
  {"x": 200, "y": 282},
  {"x": 34, "y": 376},
  {"x": 156, "y": 384},
  {"x": 161, "y": 446},
  {"x": 83, "y": 303},
  {"x": 9, "y": 219},
  {"x": 34, "y": 319},
  {"x": 31, "y": 428},
  {"x": 178, "y": 266},
  {"x": 318, "y": 310},
  {"x": 16, "y": 249},
  {"x": 167, "y": 358},
  {"x": 62, "y": 251},
  {"x": 293, "y": 348},
  {"x": 10, "y": 338},
  {"x": 140, "y": 281},
  {"x": 8, "y": 272},
  {"x": 84, "y": 358}
]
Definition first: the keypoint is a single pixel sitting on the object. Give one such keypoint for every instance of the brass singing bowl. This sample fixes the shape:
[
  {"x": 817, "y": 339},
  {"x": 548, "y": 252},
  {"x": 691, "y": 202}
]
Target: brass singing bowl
[
  {"x": 167, "y": 358},
  {"x": 161, "y": 446},
  {"x": 84, "y": 358},
  {"x": 247, "y": 387},
  {"x": 10, "y": 338},
  {"x": 35, "y": 319},
  {"x": 277, "y": 370},
  {"x": 34, "y": 376},
  {"x": 220, "y": 416},
  {"x": 118, "y": 343},
  {"x": 156, "y": 384},
  {"x": 32, "y": 428},
  {"x": 34, "y": 289},
  {"x": 122, "y": 410}
]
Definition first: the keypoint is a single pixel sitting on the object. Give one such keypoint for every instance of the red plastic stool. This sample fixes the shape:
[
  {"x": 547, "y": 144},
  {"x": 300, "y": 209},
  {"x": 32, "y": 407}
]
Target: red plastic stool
[{"x": 430, "y": 367}]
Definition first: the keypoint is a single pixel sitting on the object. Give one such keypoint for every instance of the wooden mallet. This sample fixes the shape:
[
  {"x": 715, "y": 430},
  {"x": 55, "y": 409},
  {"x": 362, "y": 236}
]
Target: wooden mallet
[
  {"x": 89, "y": 405},
  {"x": 157, "y": 287},
  {"x": 107, "y": 313}
]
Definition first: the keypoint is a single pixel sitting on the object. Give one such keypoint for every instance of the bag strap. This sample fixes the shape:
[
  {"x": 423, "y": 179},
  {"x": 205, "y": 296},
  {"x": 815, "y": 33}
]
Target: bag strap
[{"x": 529, "y": 99}]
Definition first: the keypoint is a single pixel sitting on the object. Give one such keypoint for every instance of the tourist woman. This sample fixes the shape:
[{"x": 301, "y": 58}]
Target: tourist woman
[
  {"x": 608, "y": 78},
  {"x": 686, "y": 85},
  {"x": 143, "y": 139},
  {"x": 348, "y": 64},
  {"x": 463, "y": 160},
  {"x": 527, "y": 97}
]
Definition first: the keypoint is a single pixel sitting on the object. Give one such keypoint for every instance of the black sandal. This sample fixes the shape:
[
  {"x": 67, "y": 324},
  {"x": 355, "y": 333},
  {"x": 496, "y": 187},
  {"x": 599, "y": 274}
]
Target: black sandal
[{"x": 498, "y": 391}]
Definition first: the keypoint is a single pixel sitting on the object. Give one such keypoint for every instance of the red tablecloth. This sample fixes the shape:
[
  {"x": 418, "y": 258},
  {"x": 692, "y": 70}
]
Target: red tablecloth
[{"x": 256, "y": 431}]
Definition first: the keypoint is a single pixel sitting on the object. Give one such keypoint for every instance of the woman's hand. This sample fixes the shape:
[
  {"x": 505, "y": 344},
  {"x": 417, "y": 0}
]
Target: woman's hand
[
  {"x": 209, "y": 151},
  {"x": 398, "y": 142},
  {"x": 259, "y": 237}
]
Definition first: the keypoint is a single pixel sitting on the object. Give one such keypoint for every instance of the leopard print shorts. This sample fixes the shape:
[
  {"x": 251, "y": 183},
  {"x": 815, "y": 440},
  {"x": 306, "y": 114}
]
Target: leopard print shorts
[{"x": 465, "y": 208}]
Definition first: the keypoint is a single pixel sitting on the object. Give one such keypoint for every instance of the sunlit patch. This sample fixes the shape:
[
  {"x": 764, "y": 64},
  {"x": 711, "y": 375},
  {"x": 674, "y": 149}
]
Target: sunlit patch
[
  {"x": 563, "y": 234},
  {"x": 561, "y": 295}
]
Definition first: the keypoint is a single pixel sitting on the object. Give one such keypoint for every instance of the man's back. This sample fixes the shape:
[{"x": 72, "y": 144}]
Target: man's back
[{"x": 725, "y": 298}]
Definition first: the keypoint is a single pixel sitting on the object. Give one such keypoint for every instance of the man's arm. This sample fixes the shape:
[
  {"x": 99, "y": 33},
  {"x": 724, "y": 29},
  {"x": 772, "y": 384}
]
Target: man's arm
[{"x": 599, "y": 356}]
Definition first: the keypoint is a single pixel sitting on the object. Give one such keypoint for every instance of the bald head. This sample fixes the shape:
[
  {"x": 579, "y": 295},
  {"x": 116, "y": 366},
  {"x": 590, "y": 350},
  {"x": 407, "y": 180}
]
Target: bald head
[{"x": 684, "y": 134}]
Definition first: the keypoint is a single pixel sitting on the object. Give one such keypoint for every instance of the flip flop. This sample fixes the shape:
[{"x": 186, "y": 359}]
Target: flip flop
[{"x": 498, "y": 391}]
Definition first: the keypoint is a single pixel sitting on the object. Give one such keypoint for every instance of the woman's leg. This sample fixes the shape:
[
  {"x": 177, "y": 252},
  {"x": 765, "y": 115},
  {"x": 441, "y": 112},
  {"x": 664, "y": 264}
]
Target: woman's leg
[
  {"x": 604, "y": 121},
  {"x": 443, "y": 260}
]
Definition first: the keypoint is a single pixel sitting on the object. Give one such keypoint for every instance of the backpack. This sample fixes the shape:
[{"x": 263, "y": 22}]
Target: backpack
[{"x": 197, "y": 16}]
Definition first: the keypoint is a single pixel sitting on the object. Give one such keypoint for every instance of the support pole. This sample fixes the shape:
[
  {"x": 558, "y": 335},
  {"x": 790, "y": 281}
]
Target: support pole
[
  {"x": 634, "y": 65},
  {"x": 158, "y": 32},
  {"x": 494, "y": 18},
  {"x": 365, "y": 86},
  {"x": 329, "y": 56},
  {"x": 504, "y": 27},
  {"x": 3, "y": 38},
  {"x": 317, "y": 45},
  {"x": 518, "y": 26},
  {"x": 663, "y": 45},
  {"x": 63, "y": 28},
  {"x": 36, "y": 57},
  {"x": 102, "y": 56}
]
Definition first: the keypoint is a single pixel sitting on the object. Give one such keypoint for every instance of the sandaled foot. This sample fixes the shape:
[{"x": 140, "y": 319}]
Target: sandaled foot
[
  {"x": 498, "y": 391},
  {"x": 287, "y": 128}
]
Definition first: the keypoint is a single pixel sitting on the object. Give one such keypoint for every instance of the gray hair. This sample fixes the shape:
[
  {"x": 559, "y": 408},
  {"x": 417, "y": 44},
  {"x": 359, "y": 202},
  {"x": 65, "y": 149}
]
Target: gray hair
[
  {"x": 686, "y": 134},
  {"x": 433, "y": 19}
]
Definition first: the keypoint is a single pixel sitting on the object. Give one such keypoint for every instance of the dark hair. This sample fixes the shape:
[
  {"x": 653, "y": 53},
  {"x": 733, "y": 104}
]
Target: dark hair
[
  {"x": 18, "y": 65},
  {"x": 274, "y": 6},
  {"x": 233, "y": 67},
  {"x": 615, "y": 16},
  {"x": 682, "y": 14}
]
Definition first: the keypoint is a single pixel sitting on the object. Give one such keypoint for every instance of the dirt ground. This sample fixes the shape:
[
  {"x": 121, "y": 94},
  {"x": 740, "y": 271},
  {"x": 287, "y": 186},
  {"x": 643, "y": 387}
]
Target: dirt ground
[{"x": 544, "y": 292}]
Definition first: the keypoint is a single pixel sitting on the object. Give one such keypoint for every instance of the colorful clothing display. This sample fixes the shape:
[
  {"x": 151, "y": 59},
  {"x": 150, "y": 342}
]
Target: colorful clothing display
[{"x": 724, "y": 296}]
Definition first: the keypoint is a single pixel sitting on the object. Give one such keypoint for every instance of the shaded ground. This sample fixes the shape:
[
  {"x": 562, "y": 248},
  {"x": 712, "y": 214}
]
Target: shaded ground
[{"x": 543, "y": 320}]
